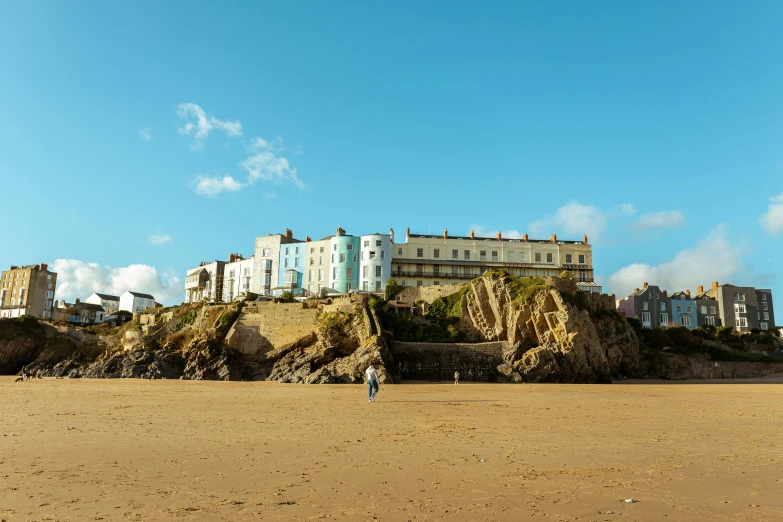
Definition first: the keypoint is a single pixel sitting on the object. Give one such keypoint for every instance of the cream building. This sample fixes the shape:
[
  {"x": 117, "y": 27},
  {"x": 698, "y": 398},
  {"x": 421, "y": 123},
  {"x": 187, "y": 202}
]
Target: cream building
[
  {"x": 27, "y": 290},
  {"x": 266, "y": 257},
  {"x": 426, "y": 260},
  {"x": 237, "y": 277},
  {"x": 205, "y": 282},
  {"x": 317, "y": 257}
]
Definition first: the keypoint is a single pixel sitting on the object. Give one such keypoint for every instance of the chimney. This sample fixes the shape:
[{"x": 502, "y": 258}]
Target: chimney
[
  {"x": 646, "y": 285},
  {"x": 498, "y": 236},
  {"x": 699, "y": 289},
  {"x": 307, "y": 239},
  {"x": 665, "y": 292},
  {"x": 472, "y": 235},
  {"x": 289, "y": 233},
  {"x": 77, "y": 301},
  {"x": 44, "y": 267},
  {"x": 715, "y": 285},
  {"x": 635, "y": 290},
  {"x": 445, "y": 233},
  {"x": 524, "y": 237},
  {"x": 584, "y": 239},
  {"x": 407, "y": 234},
  {"x": 553, "y": 238},
  {"x": 688, "y": 293}
]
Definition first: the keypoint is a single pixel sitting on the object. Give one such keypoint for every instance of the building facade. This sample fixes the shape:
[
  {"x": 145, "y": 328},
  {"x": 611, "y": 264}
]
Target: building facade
[
  {"x": 290, "y": 275},
  {"x": 237, "y": 277},
  {"x": 82, "y": 313},
  {"x": 266, "y": 267},
  {"x": 344, "y": 261},
  {"x": 205, "y": 282},
  {"x": 684, "y": 310},
  {"x": 425, "y": 260},
  {"x": 27, "y": 290},
  {"x": 109, "y": 303},
  {"x": 136, "y": 302},
  {"x": 375, "y": 262},
  {"x": 317, "y": 264},
  {"x": 649, "y": 304},
  {"x": 743, "y": 308}
]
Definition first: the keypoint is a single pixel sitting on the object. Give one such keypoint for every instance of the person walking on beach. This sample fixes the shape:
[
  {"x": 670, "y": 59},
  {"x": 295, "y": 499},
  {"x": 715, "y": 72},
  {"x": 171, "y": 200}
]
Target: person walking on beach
[
  {"x": 372, "y": 383},
  {"x": 456, "y": 377}
]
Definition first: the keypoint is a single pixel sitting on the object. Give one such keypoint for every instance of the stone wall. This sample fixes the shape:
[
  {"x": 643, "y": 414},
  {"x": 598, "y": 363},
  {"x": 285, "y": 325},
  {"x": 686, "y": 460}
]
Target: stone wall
[
  {"x": 427, "y": 293},
  {"x": 266, "y": 326},
  {"x": 439, "y": 361}
]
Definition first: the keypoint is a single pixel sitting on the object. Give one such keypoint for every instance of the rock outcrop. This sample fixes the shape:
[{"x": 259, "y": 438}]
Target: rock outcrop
[{"x": 549, "y": 338}]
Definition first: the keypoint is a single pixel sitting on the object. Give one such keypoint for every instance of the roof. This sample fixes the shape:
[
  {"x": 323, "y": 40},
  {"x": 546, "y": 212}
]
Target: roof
[
  {"x": 138, "y": 294},
  {"x": 108, "y": 297},
  {"x": 90, "y": 306},
  {"x": 677, "y": 295},
  {"x": 507, "y": 239}
]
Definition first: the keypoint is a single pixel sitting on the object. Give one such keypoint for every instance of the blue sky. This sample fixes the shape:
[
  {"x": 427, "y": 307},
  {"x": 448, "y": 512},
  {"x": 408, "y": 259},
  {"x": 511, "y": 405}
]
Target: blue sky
[{"x": 653, "y": 127}]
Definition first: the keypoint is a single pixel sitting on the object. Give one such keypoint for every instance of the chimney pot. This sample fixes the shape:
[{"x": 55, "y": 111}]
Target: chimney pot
[
  {"x": 688, "y": 292},
  {"x": 524, "y": 237},
  {"x": 665, "y": 292},
  {"x": 715, "y": 285},
  {"x": 584, "y": 239},
  {"x": 408, "y": 233},
  {"x": 445, "y": 233},
  {"x": 646, "y": 285},
  {"x": 700, "y": 289},
  {"x": 498, "y": 236},
  {"x": 307, "y": 239},
  {"x": 472, "y": 234},
  {"x": 554, "y": 238},
  {"x": 289, "y": 234},
  {"x": 635, "y": 290},
  {"x": 44, "y": 267}
]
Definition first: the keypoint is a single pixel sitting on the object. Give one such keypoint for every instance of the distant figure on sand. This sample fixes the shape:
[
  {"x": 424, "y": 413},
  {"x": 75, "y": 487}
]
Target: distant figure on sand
[
  {"x": 456, "y": 377},
  {"x": 202, "y": 374},
  {"x": 372, "y": 383}
]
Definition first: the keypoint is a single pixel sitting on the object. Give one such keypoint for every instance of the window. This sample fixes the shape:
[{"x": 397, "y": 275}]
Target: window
[
  {"x": 285, "y": 264},
  {"x": 483, "y": 255},
  {"x": 310, "y": 275},
  {"x": 646, "y": 319},
  {"x": 657, "y": 296},
  {"x": 764, "y": 305},
  {"x": 688, "y": 309},
  {"x": 296, "y": 250},
  {"x": 454, "y": 271},
  {"x": 289, "y": 276},
  {"x": 312, "y": 261},
  {"x": 335, "y": 248},
  {"x": 664, "y": 319},
  {"x": 354, "y": 258},
  {"x": 569, "y": 258},
  {"x": 378, "y": 243},
  {"x": 466, "y": 271},
  {"x": 436, "y": 253},
  {"x": 419, "y": 269},
  {"x": 296, "y": 261},
  {"x": 399, "y": 251},
  {"x": 581, "y": 259},
  {"x": 49, "y": 286},
  {"x": 663, "y": 307},
  {"x": 419, "y": 283},
  {"x": 741, "y": 321},
  {"x": 763, "y": 326},
  {"x": 365, "y": 271},
  {"x": 312, "y": 251},
  {"x": 455, "y": 254},
  {"x": 712, "y": 310},
  {"x": 467, "y": 254},
  {"x": 710, "y": 320},
  {"x": 522, "y": 257},
  {"x": 320, "y": 260},
  {"x": 763, "y": 297},
  {"x": 645, "y": 305},
  {"x": 372, "y": 255},
  {"x": 739, "y": 308},
  {"x": 703, "y": 310},
  {"x": 365, "y": 285},
  {"x": 287, "y": 250},
  {"x": 435, "y": 283},
  {"x": 366, "y": 245},
  {"x": 685, "y": 320},
  {"x": 510, "y": 256},
  {"x": 377, "y": 286},
  {"x": 350, "y": 246},
  {"x": 342, "y": 258},
  {"x": 378, "y": 271},
  {"x": 679, "y": 308},
  {"x": 382, "y": 256},
  {"x": 436, "y": 270},
  {"x": 267, "y": 252},
  {"x": 538, "y": 257},
  {"x": 494, "y": 255},
  {"x": 766, "y": 316},
  {"x": 419, "y": 252},
  {"x": 321, "y": 274},
  {"x": 739, "y": 297},
  {"x": 334, "y": 273},
  {"x": 48, "y": 305},
  {"x": 48, "y": 277},
  {"x": 549, "y": 258}
]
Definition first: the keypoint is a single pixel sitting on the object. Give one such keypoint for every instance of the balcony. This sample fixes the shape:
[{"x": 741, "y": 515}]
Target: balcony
[
  {"x": 430, "y": 273},
  {"x": 576, "y": 267}
]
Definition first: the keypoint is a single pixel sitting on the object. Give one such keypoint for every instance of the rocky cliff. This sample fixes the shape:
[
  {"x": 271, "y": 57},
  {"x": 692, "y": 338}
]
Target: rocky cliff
[{"x": 549, "y": 336}]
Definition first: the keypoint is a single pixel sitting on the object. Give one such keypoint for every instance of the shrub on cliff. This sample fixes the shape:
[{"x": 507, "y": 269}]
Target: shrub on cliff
[{"x": 392, "y": 289}]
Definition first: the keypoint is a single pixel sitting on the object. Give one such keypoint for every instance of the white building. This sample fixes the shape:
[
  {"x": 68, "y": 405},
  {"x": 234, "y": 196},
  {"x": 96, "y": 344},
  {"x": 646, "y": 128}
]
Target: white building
[
  {"x": 205, "y": 282},
  {"x": 110, "y": 303},
  {"x": 375, "y": 262},
  {"x": 136, "y": 302},
  {"x": 237, "y": 277}
]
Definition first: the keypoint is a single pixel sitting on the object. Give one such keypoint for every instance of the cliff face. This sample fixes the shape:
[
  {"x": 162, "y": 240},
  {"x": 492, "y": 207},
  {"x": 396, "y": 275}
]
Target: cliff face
[{"x": 548, "y": 337}]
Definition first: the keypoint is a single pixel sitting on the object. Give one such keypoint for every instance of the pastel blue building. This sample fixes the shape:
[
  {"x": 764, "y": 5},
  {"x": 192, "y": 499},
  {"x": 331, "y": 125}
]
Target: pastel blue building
[
  {"x": 344, "y": 251},
  {"x": 684, "y": 310}
]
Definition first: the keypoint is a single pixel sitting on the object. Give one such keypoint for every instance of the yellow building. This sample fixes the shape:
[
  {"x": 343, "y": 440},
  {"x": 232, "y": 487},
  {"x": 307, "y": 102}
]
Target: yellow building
[
  {"x": 27, "y": 290},
  {"x": 426, "y": 260}
]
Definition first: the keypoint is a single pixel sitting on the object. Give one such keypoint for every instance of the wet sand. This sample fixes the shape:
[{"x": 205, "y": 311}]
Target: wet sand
[{"x": 182, "y": 450}]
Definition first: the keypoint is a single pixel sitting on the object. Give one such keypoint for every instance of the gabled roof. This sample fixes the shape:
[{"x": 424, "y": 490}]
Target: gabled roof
[
  {"x": 107, "y": 297},
  {"x": 138, "y": 294}
]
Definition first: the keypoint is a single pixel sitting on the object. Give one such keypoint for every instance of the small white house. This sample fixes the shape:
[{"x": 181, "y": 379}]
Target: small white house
[
  {"x": 136, "y": 302},
  {"x": 110, "y": 303},
  {"x": 237, "y": 277}
]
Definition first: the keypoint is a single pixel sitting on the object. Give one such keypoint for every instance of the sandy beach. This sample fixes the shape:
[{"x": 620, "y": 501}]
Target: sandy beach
[{"x": 185, "y": 450}]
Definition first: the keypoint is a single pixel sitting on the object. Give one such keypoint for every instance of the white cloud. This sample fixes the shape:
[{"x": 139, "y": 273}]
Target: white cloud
[
  {"x": 480, "y": 231},
  {"x": 80, "y": 279},
  {"x": 772, "y": 221},
  {"x": 626, "y": 209},
  {"x": 267, "y": 165},
  {"x": 145, "y": 134},
  {"x": 199, "y": 125},
  {"x": 214, "y": 185},
  {"x": 160, "y": 239},
  {"x": 713, "y": 258},
  {"x": 571, "y": 221},
  {"x": 663, "y": 219},
  {"x": 269, "y": 195}
]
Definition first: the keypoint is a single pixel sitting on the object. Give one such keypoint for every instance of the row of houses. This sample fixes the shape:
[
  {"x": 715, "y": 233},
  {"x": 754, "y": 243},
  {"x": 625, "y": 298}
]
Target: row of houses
[
  {"x": 343, "y": 263},
  {"x": 743, "y": 308}
]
